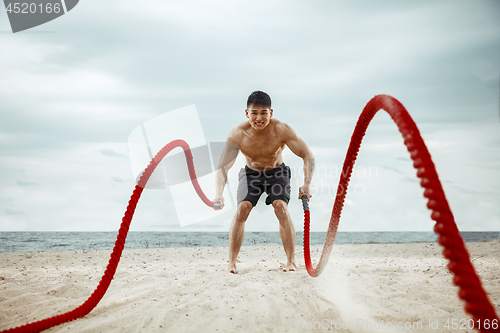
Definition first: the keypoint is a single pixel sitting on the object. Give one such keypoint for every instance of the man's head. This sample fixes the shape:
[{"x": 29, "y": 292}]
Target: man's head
[
  {"x": 259, "y": 98},
  {"x": 259, "y": 112}
]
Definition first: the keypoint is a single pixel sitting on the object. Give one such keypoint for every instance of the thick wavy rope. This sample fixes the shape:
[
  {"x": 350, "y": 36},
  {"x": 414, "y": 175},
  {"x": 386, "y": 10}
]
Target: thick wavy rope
[
  {"x": 477, "y": 303},
  {"x": 99, "y": 292},
  {"x": 465, "y": 277}
]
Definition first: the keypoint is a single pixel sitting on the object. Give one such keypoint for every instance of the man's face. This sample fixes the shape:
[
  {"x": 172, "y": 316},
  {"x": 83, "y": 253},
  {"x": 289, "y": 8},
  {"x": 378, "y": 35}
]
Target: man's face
[{"x": 259, "y": 116}]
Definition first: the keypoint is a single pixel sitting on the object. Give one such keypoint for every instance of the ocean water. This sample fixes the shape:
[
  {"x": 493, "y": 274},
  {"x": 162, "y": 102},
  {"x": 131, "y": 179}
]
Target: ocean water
[{"x": 25, "y": 241}]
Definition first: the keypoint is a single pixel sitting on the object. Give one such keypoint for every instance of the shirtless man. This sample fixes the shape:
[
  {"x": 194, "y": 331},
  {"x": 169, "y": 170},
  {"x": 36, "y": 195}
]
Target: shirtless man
[{"x": 261, "y": 140}]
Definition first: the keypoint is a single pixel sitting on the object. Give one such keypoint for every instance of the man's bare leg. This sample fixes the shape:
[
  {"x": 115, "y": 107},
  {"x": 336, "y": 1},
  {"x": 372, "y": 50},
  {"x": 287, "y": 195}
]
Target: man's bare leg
[
  {"x": 287, "y": 233},
  {"x": 236, "y": 233}
]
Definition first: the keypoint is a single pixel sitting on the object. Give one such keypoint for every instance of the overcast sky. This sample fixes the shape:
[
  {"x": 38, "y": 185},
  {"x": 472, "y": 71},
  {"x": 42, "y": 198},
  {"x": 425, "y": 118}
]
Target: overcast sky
[{"x": 72, "y": 91}]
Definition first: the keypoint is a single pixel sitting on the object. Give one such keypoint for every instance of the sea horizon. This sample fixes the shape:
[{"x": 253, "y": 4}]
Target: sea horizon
[{"x": 46, "y": 241}]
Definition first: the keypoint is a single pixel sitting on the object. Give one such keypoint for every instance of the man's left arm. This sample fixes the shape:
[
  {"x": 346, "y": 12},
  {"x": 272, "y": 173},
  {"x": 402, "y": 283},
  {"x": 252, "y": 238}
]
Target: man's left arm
[{"x": 300, "y": 148}]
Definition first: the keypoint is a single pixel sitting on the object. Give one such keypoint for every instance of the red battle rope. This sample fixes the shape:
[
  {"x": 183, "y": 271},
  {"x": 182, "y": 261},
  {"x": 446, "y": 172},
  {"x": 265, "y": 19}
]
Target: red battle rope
[
  {"x": 470, "y": 289},
  {"x": 97, "y": 295}
]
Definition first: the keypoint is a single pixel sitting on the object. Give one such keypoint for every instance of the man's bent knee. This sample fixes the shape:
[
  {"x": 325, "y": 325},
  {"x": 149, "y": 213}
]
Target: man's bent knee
[
  {"x": 280, "y": 208},
  {"x": 280, "y": 204},
  {"x": 243, "y": 211}
]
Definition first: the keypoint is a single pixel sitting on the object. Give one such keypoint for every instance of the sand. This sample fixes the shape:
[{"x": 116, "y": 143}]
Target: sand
[{"x": 365, "y": 288}]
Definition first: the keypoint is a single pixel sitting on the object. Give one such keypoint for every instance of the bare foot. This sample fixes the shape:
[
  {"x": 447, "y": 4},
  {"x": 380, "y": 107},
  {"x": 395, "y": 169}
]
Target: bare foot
[
  {"x": 290, "y": 267},
  {"x": 231, "y": 268}
]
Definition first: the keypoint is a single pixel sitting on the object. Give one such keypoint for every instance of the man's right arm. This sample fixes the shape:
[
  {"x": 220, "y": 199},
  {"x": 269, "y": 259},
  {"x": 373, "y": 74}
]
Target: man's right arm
[{"x": 227, "y": 160}]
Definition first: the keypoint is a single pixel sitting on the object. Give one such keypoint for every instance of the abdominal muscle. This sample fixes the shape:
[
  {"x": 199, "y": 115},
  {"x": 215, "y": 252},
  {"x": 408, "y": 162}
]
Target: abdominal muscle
[{"x": 259, "y": 162}]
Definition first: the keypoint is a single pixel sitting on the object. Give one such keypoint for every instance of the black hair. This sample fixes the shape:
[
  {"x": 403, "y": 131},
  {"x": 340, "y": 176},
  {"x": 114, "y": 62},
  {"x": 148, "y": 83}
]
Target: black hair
[{"x": 259, "y": 98}]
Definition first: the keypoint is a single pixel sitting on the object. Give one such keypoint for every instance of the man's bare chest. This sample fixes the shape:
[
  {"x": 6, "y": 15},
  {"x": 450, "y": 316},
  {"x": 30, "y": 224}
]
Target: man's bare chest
[{"x": 261, "y": 148}]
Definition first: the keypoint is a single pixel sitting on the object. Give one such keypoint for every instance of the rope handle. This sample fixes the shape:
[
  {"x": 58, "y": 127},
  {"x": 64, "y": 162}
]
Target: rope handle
[{"x": 305, "y": 201}]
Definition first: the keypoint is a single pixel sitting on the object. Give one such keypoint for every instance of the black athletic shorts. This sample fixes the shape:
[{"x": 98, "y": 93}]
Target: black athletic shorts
[{"x": 275, "y": 182}]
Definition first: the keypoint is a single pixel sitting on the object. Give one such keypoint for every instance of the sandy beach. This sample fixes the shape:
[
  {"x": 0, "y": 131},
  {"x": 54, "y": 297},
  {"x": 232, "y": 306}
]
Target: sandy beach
[{"x": 364, "y": 288}]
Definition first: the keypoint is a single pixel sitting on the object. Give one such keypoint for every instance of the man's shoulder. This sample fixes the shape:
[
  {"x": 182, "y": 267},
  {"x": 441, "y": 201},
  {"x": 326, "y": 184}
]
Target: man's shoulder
[
  {"x": 281, "y": 128},
  {"x": 237, "y": 132},
  {"x": 279, "y": 124}
]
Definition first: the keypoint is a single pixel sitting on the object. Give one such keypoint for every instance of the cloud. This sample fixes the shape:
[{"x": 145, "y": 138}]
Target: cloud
[
  {"x": 110, "y": 153},
  {"x": 63, "y": 99},
  {"x": 411, "y": 179},
  {"x": 25, "y": 183},
  {"x": 476, "y": 193},
  {"x": 394, "y": 169},
  {"x": 13, "y": 212},
  {"x": 117, "y": 179},
  {"x": 349, "y": 202}
]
